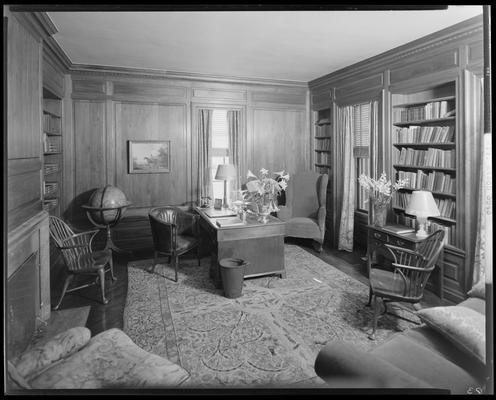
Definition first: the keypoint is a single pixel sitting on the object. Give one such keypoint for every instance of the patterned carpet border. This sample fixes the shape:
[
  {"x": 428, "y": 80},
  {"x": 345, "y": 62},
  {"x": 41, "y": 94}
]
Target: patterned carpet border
[{"x": 268, "y": 337}]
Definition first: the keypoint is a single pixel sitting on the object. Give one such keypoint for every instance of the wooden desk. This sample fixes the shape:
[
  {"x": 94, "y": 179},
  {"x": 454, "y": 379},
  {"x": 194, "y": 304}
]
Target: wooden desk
[
  {"x": 261, "y": 245},
  {"x": 377, "y": 237}
]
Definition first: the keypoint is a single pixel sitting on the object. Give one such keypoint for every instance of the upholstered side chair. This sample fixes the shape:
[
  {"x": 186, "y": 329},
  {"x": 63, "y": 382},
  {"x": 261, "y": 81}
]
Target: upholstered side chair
[
  {"x": 305, "y": 209},
  {"x": 79, "y": 257},
  {"x": 174, "y": 232},
  {"x": 406, "y": 281}
]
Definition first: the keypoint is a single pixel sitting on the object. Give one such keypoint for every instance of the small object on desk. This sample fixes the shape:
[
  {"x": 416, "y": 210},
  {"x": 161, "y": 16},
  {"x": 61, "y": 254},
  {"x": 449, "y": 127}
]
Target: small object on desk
[
  {"x": 214, "y": 213},
  {"x": 232, "y": 221},
  {"x": 399, "y": 229},
  {"x": 218, "y": 204}
]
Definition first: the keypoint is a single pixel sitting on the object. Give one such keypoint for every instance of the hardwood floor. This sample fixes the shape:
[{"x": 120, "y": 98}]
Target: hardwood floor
[{"x": 102, "y": 317}]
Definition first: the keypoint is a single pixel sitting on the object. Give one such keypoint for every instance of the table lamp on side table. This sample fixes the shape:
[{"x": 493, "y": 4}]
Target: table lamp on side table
[
  {"x": 225, "y": 172},
  {"x": 423, "y": 206}
]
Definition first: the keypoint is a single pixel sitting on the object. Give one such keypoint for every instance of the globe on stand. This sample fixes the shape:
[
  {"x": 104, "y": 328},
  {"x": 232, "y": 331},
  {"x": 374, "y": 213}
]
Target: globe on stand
[{"x": 105, "y": 208}]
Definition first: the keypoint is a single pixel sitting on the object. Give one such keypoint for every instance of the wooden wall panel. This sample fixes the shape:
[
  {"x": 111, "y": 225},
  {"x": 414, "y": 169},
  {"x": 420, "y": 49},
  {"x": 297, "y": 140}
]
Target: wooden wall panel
[
  {"x": 23, "y": 92},
  {"x": 89, "y": 152},
  {"x": 52, "y": 78},
  {"x": 278, "y": 141},
  {"x": 149, "y": 121}
]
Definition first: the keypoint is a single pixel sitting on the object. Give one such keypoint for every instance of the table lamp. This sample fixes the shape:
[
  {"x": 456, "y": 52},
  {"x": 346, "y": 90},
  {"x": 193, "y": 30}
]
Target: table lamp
[
  {"x": 423, "y": 206},
  {"x": 225, "y": 172}
]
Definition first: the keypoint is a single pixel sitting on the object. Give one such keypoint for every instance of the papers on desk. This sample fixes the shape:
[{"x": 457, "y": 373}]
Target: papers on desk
[
  {"x": 232, "y": 221},
  {"x": 399, "y": 229},
  {"x": 213, "y": 213}
]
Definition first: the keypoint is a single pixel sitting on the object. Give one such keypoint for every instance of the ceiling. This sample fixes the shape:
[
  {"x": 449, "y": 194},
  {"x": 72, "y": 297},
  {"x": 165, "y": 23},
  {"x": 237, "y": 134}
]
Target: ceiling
[{"x": 287, "y": 45}]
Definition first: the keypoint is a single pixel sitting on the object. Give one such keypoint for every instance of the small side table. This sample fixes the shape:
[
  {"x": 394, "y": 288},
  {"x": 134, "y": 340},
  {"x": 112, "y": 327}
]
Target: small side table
[
  {"x": 107, "y": 223},
  {"x": 377, "y": 237}
]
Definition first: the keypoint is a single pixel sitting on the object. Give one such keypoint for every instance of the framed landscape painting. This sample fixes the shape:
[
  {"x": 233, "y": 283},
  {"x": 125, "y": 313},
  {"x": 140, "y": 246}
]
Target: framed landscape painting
[{"x": 149, "y": 156}]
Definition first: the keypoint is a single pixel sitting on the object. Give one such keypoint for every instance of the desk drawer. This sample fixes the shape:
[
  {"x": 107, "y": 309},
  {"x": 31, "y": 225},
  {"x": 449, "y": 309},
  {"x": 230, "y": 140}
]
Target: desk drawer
[
  {"x": 396, "y": 241},
  {"x": 381, "y": 236}
]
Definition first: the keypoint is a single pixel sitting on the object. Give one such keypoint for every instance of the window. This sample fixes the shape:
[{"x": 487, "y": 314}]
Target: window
[
  {"x": 361, "y": 148},
  {"x": 220, "y": 150}
]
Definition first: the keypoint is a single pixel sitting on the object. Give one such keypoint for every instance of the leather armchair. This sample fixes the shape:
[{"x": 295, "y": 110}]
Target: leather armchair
[
  {"x": 175, "y": 232},
  {"x": 305, "y": 209}
]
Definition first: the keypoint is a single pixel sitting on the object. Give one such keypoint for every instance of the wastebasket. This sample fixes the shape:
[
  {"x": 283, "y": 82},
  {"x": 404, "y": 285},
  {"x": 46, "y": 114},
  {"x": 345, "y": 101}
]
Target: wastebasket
[{"x": 232, "y": 271}]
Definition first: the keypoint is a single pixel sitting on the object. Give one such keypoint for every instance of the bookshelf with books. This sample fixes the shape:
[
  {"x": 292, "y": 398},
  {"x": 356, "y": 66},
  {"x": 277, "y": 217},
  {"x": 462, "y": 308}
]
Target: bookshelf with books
[
  {"x": 52, "y": 137},
  {"x": 424, "y": 152},
  {"x": 322, "y": 141}
]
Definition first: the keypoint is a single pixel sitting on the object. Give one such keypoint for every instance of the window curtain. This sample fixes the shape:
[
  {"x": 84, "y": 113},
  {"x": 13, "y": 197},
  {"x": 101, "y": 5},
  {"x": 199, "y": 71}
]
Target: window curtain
[
  {"x": 483, "y": 260},
  {"x": 204, "y": 145},
  {"x": 377, "y": 164},
  {"x": 234, "y": 126},
  {"x": 345, "y": 128}
]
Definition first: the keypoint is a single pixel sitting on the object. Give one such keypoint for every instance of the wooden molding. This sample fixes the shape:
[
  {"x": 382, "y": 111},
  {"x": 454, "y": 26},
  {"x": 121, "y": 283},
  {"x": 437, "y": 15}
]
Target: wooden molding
[
  {"x": 161, "y": 74},
  {"x": 461, "y": 30}
]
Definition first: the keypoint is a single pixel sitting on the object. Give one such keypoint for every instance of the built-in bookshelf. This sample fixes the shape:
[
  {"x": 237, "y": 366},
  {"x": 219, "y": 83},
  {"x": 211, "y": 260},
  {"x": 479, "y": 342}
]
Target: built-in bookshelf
[
  {"x": 52, "y": 137},
  {"x": 322, "y": 141},
  {"x": 424, "y": 153}
]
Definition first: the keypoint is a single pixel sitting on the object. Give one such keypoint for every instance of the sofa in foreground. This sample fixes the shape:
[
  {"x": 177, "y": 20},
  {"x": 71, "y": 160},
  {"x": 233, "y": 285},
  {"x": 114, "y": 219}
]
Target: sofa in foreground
[
  {"x": 109, "y": 360},
  {"x": 446, "y": 352}
]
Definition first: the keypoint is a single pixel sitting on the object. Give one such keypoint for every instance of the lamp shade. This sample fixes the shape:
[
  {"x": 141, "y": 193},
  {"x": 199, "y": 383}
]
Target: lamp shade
[
  {"x": 422, "y": 204},
  {"x": 225, "y": 172}
]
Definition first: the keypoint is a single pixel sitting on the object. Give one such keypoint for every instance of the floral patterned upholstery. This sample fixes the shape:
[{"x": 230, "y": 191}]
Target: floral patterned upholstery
[{"x": 109, "y": 360}]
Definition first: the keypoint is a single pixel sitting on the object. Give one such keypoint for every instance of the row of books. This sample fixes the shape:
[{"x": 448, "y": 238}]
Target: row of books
[
  {"x": 433, "y": 110},
  {"x": 51, "y": 124},
  {"x": 322, "y": 170},
  {"x": 435, "y": 181},
  {"x": 430, "y": 157},
  {"x": 424, "y": 134},
  {"x": 449, "y": 231},
  {"x": 52, "y": 144},
  {"x": 322, "y": 158},
  {"x": 50, "y": 203},
  {"x": 50, "y": 188},
  {"x": 446, "y": 206},
  {"x": 50, "y": 168},
  {"x": 323, "y": 144}
]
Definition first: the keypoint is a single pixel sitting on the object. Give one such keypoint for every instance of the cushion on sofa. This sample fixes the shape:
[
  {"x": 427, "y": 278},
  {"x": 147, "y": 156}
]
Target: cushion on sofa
[
  {"x": 34, "y": 361},
  {"x": 424, "y": 364},
  {"x": 14, "y": 379},
  {"x": 478, "y": 290},
  {"x": 475, "y": 303},
  {"x": 342, "y": 365},
  {"x": 111, "y": 360},
  {"x": 464, "y": 327}
]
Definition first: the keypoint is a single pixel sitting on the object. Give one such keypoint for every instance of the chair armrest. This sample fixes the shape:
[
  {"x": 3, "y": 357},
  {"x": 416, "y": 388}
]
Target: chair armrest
[
  {"x": 33, "y": 362},
  {"x": 343, "y": 365},
  {"x": 188, "y": 223},
  {"x": 284, "y": 213},
  {"x": 321, "y": 216},
  {"x": 401, "y": 254}
]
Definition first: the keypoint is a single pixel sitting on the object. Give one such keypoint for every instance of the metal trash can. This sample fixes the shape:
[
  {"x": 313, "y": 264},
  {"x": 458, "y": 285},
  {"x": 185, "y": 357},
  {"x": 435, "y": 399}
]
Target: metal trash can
[{"x": 232, "y": 271}]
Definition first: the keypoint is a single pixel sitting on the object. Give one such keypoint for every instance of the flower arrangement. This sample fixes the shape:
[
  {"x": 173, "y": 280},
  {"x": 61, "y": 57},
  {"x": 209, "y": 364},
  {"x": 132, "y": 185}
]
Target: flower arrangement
[
  {"x": 264, "y": 189},
  {"x": 380, "y": 191}
]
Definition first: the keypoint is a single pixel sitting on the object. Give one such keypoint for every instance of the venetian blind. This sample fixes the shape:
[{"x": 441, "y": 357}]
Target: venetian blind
[
  {"x": 361, "y": 130},
  {"x": 220, "y": 130}
]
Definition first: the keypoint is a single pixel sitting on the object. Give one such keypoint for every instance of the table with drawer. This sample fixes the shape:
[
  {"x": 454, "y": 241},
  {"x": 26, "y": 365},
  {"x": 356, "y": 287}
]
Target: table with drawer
[{"x": 377, "y": 237}]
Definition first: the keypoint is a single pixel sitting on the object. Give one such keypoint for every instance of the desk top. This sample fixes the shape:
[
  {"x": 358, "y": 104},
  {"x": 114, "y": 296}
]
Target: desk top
[
  {"x": 410, "y": 236},
  {"x": 251, "y": 222}
]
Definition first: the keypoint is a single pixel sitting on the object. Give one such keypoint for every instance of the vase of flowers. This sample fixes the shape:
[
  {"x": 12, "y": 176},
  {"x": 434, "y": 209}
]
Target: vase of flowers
[
  {"x": 380, "y": 193},
  {"x": 263, "y": 191}
]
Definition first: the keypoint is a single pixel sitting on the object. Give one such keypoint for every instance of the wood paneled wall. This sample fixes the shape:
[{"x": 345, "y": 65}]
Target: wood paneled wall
[
  {"x": 453, "y": 54},
  {"x": 23, "y": 123},
  {"x": 109, "y": 110}
]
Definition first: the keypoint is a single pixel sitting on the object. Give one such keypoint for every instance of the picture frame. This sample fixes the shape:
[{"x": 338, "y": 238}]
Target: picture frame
[{"x": 149, "y": 156}]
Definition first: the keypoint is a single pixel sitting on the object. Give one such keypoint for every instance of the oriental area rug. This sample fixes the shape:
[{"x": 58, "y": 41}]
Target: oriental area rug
[{"x": 267, "y": 338}]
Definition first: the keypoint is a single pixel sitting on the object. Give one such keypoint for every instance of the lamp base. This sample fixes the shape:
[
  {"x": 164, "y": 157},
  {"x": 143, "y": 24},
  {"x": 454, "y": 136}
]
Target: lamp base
[{"x": 421, "y": 233}]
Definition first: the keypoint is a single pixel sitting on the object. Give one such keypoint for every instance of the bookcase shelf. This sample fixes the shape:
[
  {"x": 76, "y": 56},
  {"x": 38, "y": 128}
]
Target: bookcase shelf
[
  {"x": 52, "y": 136},
  {"x": 424, "y": 152}
]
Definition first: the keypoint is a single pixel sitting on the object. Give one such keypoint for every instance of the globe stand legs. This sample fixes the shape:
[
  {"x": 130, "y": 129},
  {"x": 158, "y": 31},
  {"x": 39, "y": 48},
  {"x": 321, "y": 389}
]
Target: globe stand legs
[{"x": 111, "y": 245}]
